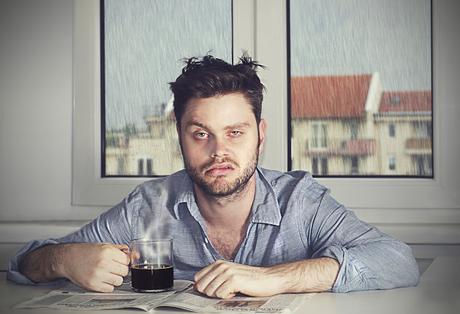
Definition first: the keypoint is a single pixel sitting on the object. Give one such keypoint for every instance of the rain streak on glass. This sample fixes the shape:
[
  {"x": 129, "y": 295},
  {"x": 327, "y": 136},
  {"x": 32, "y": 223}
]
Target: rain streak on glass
[
  {"x": 361, "y": 99},
  {"x": 145, "y": 42}
]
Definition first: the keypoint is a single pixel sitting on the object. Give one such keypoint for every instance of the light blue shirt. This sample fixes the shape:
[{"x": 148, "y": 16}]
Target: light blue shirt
[{"x": 293, "y": 218}]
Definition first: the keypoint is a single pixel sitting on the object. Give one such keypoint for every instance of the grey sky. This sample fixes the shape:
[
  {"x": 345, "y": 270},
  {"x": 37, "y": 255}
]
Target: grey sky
[
  {"x": 335, "y": 37},
  {"x": 145, "y": 39}
]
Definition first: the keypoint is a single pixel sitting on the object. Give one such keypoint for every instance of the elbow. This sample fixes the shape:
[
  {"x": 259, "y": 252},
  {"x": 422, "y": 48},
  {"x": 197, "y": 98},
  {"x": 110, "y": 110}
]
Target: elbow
[
  {"x": 414, "y": 273},
  {"x": 409, "y": 272}
]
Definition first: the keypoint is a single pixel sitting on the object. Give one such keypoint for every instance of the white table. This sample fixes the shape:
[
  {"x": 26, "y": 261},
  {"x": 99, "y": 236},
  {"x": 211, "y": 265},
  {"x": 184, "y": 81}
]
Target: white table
[{"x": 438, "y": 292}]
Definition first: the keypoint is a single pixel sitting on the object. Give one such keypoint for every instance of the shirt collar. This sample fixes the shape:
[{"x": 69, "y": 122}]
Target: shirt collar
[{"x": 265, "y": 208}]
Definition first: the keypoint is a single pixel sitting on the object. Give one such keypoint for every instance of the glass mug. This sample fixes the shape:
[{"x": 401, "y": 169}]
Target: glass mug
[{"x": 151, "y": 265}]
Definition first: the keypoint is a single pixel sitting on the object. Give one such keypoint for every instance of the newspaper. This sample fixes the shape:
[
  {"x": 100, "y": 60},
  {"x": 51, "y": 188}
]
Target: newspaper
[{"x": 182, "y": 296}]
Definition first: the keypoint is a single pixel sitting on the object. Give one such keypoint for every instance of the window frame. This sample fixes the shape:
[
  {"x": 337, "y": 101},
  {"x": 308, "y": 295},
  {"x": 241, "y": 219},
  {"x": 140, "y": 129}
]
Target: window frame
[{"x": 369, "y": 197}]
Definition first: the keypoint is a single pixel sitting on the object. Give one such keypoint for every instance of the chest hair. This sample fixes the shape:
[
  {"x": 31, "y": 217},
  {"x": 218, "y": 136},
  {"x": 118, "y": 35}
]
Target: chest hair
[{"x": 227, "y": 242}]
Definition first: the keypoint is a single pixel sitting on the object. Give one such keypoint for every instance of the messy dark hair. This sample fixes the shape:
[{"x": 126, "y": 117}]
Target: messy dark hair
[{"x": 209, "y": 76}]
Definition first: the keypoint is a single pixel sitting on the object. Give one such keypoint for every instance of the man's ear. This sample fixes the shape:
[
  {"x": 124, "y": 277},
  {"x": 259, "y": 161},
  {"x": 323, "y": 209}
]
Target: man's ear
[{"x": 262, "y": 129}]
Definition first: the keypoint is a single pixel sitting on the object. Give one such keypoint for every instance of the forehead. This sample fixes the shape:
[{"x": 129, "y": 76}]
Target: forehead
[{"x": 219, "y": 110}]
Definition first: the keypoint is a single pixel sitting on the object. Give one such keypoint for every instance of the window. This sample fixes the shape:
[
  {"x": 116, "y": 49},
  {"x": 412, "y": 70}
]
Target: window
[
  {"x": 314, "y": 166},
  {"x": 391, "y": 162},
  {"x": 319, "y": 135},
  {"x": 391, "y": 130},
  {"x": 140, "y": 167},
  {"x": 143, "y": 44},
  {"x": 354, "y": 165},
  {"x": 261, "y": 29},
  {"x": 360, "y": 69},
  {"x": 353, "y": 130},
  {"x": 319, "y": 166},
  {"x": 149, "y": 167},
  {"x": 422, "y": 129}
]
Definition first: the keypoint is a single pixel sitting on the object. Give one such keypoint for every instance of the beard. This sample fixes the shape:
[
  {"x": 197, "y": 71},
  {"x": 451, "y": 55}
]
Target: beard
[{"x": 218, "y": 186}]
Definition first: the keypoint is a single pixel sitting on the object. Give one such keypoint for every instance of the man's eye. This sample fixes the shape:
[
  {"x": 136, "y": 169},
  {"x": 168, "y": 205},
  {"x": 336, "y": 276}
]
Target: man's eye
[
  {"x": 201, "y": 135},
  {"x": 236, "y": 133}
]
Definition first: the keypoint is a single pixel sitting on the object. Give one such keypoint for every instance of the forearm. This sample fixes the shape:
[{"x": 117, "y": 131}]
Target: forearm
[
  {"x": 312, "y": 275},
  {"x": 44, "y": 264}
]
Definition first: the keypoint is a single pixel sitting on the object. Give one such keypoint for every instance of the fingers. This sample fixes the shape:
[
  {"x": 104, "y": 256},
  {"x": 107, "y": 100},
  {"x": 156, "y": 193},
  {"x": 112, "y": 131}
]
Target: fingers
[
  {"x": 119, "y": 259},
  {"x": 119, "y": 255},
  {"x": 113, "y": 280},
  {"x": 217, "y": 280},
  {"x": 118, "y": 269},
  {"x": 202, "y": 273}
]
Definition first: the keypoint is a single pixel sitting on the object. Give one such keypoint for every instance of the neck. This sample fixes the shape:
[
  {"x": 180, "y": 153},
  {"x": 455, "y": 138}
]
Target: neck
[{"x": 229, "y": 211}]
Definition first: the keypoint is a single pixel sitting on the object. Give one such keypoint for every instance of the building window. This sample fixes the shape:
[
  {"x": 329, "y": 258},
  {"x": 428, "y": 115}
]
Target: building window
[
  {"x": 324, "y": 167},
  {"x": 353, "y": 130},
  {"x": 354, "y": 165},
  {"x": 149, "y": 167},
  {"x": 140, "y": 167},
  {"x": 314, "y": 166},
  {"x": 319, "y": 135},
  {"x": 143, "y": 43},
  {"x": 391, "y": 130},
  {"x": 391, "y": 162},
  {"x": 422, "y": 129},
  {"x": 319, "y": 166}
]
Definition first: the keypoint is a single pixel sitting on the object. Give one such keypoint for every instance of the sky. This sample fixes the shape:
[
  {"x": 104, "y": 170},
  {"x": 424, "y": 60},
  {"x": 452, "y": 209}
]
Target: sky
[
  {"x": 146, "y": 39},
  {"x": 391, "y": 37}
]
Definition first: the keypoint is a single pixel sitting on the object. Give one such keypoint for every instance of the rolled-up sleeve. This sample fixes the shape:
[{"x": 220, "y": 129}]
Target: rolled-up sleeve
[
  {"x": 14, "y": 274},
  {"x": 368, "y": 258}
]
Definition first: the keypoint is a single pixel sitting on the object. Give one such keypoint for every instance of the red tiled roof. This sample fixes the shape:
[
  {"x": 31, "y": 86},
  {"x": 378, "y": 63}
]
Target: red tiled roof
[
  {"x": 405, "y": 101},
  {"x": 329, "y": 96}
]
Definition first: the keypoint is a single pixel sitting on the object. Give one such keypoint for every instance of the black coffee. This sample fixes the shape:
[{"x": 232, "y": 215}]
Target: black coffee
[{"x": 151, "y": 277}]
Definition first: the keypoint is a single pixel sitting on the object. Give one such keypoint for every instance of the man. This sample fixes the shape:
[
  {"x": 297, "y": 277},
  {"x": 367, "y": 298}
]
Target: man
[{"x": 237, "y": 228}]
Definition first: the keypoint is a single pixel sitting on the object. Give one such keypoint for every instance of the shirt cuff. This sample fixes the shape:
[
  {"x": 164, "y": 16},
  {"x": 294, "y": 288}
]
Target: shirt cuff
[
  {"x": 350, "y": 276},
  {"x": 15, "y": 275}
]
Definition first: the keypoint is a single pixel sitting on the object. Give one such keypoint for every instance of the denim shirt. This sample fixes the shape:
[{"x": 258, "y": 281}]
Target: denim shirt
[{"x": 292, "y": 218}]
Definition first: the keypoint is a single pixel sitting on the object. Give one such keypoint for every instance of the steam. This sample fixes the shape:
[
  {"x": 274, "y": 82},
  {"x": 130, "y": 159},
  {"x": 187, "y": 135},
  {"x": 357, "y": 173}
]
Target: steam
[{"x": 155, "y": 225}]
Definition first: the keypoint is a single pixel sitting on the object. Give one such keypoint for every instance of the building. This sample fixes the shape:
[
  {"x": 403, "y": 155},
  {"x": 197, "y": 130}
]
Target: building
[
  {"x": 154, "y": 151},
  {"x": 347, "y": 125},
  {"x": 404, "y": 127}
]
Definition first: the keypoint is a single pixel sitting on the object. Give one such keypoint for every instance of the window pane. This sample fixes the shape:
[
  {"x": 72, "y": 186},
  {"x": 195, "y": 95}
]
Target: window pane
[
  {"x": 144, "y": 44},
  {"x": 360, "y": 84}
]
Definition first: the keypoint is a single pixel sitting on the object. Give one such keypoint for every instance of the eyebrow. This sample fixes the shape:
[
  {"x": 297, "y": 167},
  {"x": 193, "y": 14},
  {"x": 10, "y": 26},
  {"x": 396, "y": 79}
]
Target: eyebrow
[
  {"x": 238, "y": 126},
  {"x": 232, "y": 126},
  {"x": 196, "y": 123}
]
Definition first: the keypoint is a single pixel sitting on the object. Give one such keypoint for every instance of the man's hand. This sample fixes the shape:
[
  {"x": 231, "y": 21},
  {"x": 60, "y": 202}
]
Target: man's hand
[
  {"x": 225, "y": 279},
  {"x": 94, "y": 266}
]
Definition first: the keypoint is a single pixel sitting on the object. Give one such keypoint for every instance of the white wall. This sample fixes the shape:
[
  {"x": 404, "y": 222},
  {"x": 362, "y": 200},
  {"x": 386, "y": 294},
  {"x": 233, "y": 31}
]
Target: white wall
[
  {"x": 35, "y": 122},
  {"x": 36, "y": 135},
  {"x": 36, "y": 111}
]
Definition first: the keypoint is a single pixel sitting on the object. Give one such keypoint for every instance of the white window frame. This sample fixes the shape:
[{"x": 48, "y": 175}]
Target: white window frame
[{"x": 260, "y": 28}]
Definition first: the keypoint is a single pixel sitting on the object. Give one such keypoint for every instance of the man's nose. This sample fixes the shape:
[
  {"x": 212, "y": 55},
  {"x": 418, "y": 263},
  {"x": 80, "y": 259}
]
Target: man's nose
[{"x": 219, "y": 147}]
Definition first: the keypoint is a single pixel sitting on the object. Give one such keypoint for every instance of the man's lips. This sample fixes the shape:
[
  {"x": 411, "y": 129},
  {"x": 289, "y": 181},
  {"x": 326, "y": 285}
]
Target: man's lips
[{"x": 219, "y": 170}]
